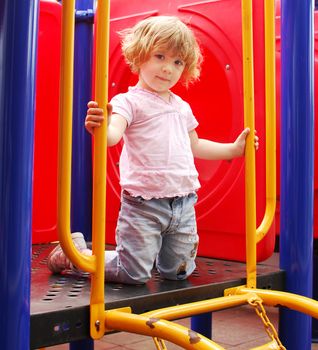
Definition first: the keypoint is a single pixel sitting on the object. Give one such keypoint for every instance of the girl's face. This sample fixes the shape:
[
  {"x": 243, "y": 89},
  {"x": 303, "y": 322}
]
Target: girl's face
[{"x": 161, "y": 72}]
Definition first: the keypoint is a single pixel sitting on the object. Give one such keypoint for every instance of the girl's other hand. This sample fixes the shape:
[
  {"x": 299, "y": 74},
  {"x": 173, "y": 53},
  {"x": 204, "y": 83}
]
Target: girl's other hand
[
  {"x": 241, "y": 141},
  {"x": 95, "y": 116}
]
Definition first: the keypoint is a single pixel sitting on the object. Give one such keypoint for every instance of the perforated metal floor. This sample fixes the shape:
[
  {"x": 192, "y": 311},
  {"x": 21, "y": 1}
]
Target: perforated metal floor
[{"x": 60, "y": 303}]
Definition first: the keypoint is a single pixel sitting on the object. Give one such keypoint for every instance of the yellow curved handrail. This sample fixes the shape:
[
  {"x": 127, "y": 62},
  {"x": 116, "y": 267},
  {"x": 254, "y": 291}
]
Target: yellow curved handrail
[
  {"x": 292, "y": 301},
  {"x": 152, "y": 324},
  {"x": 95, "y": 263},
  {"x": 163, "y": 329},
  {"x": 86, "y": 263},
  {"x": 270, "y": 98},
  {"x": 199, "y": 307},
  {"x": 253, "y": 234}
]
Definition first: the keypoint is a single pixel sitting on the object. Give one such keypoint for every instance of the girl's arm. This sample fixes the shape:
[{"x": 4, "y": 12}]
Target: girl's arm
[
  {"x": 117, "y": 124},
  {"x": 206, "y": 149}
]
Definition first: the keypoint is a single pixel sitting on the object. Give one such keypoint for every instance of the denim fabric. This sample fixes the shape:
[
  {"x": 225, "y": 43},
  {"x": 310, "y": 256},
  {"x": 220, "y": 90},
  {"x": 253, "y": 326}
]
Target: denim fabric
[{"x": 156, "y": 231}]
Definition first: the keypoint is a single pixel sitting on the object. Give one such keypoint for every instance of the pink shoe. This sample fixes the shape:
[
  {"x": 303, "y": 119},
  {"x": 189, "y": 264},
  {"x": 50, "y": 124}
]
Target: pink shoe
[{"x": 57, "y": 260}]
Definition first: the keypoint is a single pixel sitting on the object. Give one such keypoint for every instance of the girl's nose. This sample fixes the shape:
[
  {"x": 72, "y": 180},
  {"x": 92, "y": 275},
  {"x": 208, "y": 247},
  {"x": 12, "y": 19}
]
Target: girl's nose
[{"x": 167, "y": 68}]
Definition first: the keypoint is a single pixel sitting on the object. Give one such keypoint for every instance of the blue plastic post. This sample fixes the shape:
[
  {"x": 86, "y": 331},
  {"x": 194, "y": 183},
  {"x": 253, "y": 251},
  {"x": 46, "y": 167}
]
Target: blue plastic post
[
  {"x": 297, "y": 160},
  {"x": 18, "y": 38},
  {"x": 81, "y": 213},
  {"x": 202, "y": 324}
]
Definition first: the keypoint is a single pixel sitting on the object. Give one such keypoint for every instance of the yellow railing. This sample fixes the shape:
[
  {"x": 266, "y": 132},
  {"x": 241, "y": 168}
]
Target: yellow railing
[
  {"x": 95, "y": 263},
  {"x": 158, "y": 328},
  {"x": 99, "y": 171},
  {"x": 270, "y": 105},
  {"x": 86, "y": 263},
  {"x": 292, "y": 301},
  {"x": 253, "y": 235},
  {"x": 249, "y": 116},
  {"x": 156, "y": 323}
]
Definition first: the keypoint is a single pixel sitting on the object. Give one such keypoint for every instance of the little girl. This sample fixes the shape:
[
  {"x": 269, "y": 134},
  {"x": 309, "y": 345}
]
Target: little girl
[{"x": 156, "y": 223}]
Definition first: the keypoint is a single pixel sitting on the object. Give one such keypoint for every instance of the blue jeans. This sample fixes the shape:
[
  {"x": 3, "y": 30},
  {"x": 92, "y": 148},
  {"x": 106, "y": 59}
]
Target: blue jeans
[{"x": 161, "y": 231}]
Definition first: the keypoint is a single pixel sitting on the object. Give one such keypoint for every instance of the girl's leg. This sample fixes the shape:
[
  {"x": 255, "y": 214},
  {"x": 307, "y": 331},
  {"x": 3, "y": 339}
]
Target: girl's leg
[
  {"x": 176, "y": 260},
  {"x": 138, "y": 237}
]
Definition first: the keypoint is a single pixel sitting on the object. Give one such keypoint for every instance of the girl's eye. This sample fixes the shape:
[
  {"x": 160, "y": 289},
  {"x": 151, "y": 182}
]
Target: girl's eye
[
  {"x": 159, "y": 56},
  {"x": 179, "y": 63}
]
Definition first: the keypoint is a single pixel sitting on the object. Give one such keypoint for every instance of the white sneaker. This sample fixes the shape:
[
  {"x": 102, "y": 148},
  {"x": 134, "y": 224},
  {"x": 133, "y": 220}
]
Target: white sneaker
[{"x": 58, "y": 261}]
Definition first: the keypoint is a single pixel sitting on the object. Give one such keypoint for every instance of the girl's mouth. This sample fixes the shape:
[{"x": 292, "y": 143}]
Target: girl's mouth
[{"x": 163, "y": 79}]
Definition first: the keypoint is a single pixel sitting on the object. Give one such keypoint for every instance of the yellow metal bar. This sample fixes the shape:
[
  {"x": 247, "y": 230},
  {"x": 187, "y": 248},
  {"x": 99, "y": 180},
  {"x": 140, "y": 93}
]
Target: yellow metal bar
[
  {"x": 199, "y": 307},
  {"x": 270, "y": 97},
  {"x": 162, "y": 329},
  {"x": 248, "y": 88},
  {"x": 292, "y": 301},
  {"x": 97, "y": 307},
  {"x": 253, "y": 235},
  {"x": 86, "y": 263}
]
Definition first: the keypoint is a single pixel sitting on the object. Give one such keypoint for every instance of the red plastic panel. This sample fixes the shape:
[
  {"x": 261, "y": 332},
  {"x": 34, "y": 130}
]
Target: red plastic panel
[{"x": 46, "y": 124}]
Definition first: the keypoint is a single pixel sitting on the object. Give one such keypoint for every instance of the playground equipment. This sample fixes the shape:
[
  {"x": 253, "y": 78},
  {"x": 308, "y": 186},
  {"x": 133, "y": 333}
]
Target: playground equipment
[
  {"x": 149, "y": 323},
  {"x": 112, "y": 318}
]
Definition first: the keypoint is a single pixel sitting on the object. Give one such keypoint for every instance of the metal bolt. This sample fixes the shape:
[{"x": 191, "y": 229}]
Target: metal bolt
[
  {"x": 227, "y": 67},
  {"x": 97, "y": 325}
]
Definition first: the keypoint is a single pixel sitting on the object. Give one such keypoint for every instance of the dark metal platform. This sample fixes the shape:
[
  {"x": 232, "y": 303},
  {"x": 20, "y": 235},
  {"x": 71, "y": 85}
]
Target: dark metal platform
[{"x": 60, "y": 303}]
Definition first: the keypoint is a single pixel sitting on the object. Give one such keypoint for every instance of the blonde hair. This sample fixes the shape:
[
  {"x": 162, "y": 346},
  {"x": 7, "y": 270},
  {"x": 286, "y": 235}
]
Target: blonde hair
[{"x": 168, "y": 32}]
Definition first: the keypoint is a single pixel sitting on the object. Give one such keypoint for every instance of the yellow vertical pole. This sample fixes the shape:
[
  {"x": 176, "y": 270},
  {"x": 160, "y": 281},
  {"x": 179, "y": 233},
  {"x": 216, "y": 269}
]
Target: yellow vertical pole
[
  {"x": 97, "y": 326},
  {"x": 248, "y": 88}
]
